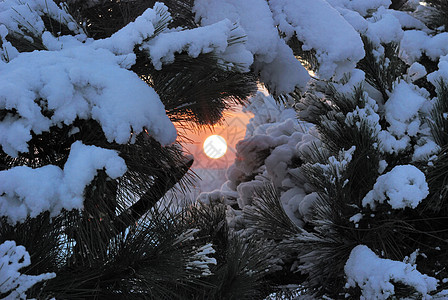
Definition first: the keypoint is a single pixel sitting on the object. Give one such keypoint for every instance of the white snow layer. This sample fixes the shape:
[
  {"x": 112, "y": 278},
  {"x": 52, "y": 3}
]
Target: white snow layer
[
  {"x": 441, "y": 74},
  {"x": 23, "y": 17},
  {"x": 416, "y": 42},
  {"x": 361, "y": 6},
  {"x": 375, "y": 276},
  {"x": 403, "y": 111},
  {"x": 404, "y": 186},
  {"x": 322, "y": 28},
  {"x": 76, "y": 83},
  {"x": 201, "y": 260},
  {"x": 27, "y": 192},
  {"x": 76, "y": 80},
  {"x": 13, "y": 284},
  {"x": 272, "y": 57},
  {"x": 161, "y": 48},
  {"x": 368, "y": 114},
  {"x": 135, "y": 33},
  {"x": 337, "y": 164},
  {"x": 212, "y": 38}
]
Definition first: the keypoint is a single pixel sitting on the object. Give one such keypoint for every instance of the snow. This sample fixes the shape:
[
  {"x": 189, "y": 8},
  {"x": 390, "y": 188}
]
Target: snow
[
  {"x": 404, "y": 186},
  {"x": 320, "y": 27},
  {"x": 254, "y": 16},
  {"x": 72, "y": 79},
  {"x": 377, "y": 33},
  {"x": 407, "y": 20},
  {"x": 13, "y": 284},
  {"x": 382, "y": 165},
  {"x": 291, "y": 200},
  {"x": 361, "y": 6},
  {"x": 354, "y": 19},
  {"x": 402, "y": 111},
  {"x": 416, "y": 71},
  {"x": 368, "y": 114},
  {"x": 416, "y": 42},
  {"x": 212, "y": 38},
  {"x": 24, "y": 193},
  {"x": 425, "y": 149},
  {"x": 356, "y": 218},
  {"x": 274, "y": 139},
  {"x": 76, "y": 83},
  {"x": 375, "y": 275},
  {"x": 413, "y": 44},
  {"x": 202, "y": 261},
  {"x": 337, "y": 165},
  {"x": 272, "y": 58},
  {"x": 134, "y": 33},
  {"x": 437, "y": 46},
  {"x": 441, "y": 295},
  {"x": 163, "y": 45},
  {"x": 441, "y": 73},
  {"x": 246, "y": 191},
  {"x": 352, "y": 80},
  {"x": 386, "y": 26},
  {"x": 23, "y": 17},
  {"x": 307, "y": 204},
  {"x": 7, "y": 50},
  {"x": 81, "y": 78},
  {"x": 284, "y": 73},
  {"x": 381, "y": 25},
  {"x": 392, "y": 144}
]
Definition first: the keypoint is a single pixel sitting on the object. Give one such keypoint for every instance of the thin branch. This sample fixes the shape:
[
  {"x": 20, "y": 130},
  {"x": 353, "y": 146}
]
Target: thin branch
[{"x": 162, "y": 184}]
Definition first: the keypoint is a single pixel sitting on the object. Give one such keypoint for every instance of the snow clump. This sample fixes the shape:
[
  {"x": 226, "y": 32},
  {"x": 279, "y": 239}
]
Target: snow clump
[
  {"x": 375, "y": 276},
  {"x": 404, "y": 186},
  {"x": 24, "y": 193},
  {"x": 338, "y": 46},
  {"x": 13, "y": 284}
]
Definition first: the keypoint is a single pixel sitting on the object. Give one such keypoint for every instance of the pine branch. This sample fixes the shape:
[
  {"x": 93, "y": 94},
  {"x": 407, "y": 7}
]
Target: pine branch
[
  {"x": 210, "y": 220},
  {"x": 268, "y": 216},
  {"x": 438, "y": 14},
  {"x": 307, "y": 58},
  {"x": 24, "y": 44},
  {"x": 381, "y": 72},
  {"x": 311, "y": 107},
  {"x": 45, "y": 257},
  {"x": 242, "y": 276},
  {"x": 161, "y": 185},
  {"x": 438, "y": 121},
  {"x": 397, "y": 4},
  {"x": 153, "y": 259},
  {"x": 196, "y": 89},
  {"x": 437, "y": 177},
  {"x": 108, "y": 16}
]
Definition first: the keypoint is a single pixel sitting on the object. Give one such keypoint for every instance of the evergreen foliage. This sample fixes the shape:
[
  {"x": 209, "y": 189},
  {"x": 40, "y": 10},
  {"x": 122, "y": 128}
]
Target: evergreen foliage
[
  {"x": 124, "y": 244},
  {"x": 439, "y": 15},
  {"x": 395, "y": 234},
  {"x": 352, "y": 117},
  {"x": 319, "y": 174}
]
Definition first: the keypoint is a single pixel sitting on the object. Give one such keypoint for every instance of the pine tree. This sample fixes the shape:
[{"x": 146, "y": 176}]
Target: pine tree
[
  {"x": 340, "y": 182},
  {"x": 123, "y": 242},
  {"x": 362, "y": 212}
]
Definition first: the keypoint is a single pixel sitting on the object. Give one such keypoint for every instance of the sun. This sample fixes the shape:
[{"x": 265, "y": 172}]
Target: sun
[{"x": 215, "y": 146}]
